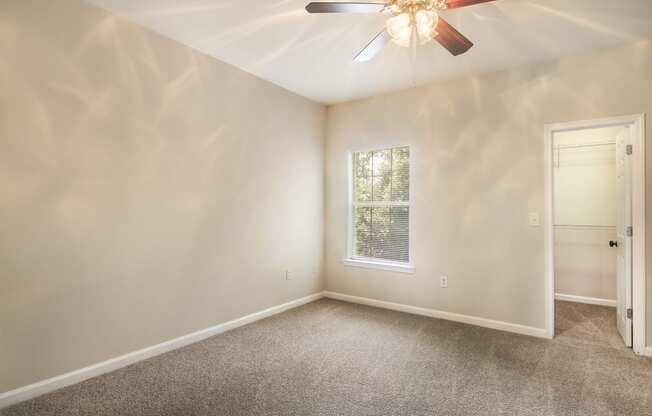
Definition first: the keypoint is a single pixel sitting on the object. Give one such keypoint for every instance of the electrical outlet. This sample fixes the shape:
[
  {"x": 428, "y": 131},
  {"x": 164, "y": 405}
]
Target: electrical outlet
[
  {"x": 443, "y": 281},
  {"x": 289, "y": 275}
]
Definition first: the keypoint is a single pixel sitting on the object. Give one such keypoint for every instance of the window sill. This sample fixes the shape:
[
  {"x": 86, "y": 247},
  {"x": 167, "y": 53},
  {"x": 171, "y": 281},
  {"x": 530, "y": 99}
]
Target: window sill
[{"x": 379, "y": 265}]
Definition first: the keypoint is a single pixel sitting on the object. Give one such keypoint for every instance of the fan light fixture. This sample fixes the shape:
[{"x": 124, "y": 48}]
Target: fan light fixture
[
  {"x": 410, "y": 23},
  {"x": 413, "y": 20}
]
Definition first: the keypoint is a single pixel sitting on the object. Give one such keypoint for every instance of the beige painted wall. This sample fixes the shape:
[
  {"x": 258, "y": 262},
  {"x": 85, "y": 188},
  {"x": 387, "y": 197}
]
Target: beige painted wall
[
  {"x": 147, "y": 191},
  {"x": 477, "y": 144}
]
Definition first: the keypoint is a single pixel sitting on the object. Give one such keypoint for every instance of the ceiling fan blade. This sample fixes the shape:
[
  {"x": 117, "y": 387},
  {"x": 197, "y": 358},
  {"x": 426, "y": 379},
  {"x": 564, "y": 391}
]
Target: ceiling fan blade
[
  {"x": 344, "y": 7},
  {"x": 456, "y": 4},
  {"x": 451, "y": 39},
  {"x": 373, "y": 48}
]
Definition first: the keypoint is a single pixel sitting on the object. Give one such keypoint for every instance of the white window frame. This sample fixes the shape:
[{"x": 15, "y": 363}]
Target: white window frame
[{"x": 369, "y": 262}]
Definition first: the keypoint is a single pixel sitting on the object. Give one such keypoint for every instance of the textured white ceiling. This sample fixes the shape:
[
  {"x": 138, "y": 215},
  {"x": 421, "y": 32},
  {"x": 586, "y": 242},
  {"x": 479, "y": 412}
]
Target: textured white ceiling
[{"x": 312, "y": 55}]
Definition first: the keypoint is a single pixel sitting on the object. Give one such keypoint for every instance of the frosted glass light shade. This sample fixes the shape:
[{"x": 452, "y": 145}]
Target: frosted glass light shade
[
  {"x": 400, "y": 29},
  {"x": 426, "y": 25}
]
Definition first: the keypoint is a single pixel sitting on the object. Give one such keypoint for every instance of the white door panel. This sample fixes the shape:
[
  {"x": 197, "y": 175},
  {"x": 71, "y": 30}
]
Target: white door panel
[{"x": 624, "y": 249}]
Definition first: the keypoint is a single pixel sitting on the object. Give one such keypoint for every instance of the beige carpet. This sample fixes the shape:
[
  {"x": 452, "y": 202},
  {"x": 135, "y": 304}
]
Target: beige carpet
[
  {"x": 335, "y": 358},
  {"x": 580, "y": 324}
]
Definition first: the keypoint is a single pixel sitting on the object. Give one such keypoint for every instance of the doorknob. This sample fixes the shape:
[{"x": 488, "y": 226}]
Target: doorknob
[{"x": 613, "y": 243}]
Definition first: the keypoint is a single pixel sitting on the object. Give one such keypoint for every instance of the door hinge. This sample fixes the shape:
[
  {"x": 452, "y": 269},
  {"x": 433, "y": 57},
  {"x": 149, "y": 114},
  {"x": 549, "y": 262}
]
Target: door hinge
[
  {"x": 630, "y": 231},
  {"x": 629, "y": 149},
  {"x": 630, "y": 313}
]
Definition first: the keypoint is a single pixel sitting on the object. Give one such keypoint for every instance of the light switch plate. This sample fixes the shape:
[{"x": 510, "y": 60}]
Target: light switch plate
[{"x": 534, "y": 220}]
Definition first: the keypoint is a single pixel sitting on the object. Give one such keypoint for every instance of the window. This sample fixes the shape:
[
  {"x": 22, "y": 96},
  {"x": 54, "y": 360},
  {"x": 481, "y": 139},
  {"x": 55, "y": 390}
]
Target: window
[{"x": 380, "y": 207}]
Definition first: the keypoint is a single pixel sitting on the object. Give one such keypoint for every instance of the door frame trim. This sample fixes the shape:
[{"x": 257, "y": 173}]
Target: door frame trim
[{"x": 637, "y": 123}]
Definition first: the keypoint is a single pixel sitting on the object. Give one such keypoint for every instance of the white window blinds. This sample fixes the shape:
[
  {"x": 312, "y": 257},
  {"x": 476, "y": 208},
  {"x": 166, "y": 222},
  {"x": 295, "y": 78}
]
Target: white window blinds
[{"x": 381, "y": 205}]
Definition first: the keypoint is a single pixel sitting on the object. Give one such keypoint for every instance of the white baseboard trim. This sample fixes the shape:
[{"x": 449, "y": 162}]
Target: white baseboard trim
[
  {"x": 584, "y": 299},
  {"x": 449, "y": 316},
  {"x": 46, "y": 386}
]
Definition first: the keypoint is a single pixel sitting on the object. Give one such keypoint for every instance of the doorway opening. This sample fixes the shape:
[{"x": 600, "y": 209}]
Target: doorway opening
[{"x": 595, "y": 241}]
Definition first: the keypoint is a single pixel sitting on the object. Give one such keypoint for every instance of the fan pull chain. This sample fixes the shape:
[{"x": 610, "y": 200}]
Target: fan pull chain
[{"x": 413, "y": 46}]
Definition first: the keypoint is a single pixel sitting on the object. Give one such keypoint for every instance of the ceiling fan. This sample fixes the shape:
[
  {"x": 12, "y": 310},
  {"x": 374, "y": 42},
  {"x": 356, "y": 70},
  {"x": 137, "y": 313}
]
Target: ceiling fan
[{"x": 412, "y": 22}]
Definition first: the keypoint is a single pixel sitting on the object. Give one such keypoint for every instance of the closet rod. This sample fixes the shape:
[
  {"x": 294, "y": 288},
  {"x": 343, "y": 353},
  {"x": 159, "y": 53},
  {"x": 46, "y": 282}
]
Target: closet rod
[
  {"x": 598, "y": 227},
  {"x": 577, "y": 146}
]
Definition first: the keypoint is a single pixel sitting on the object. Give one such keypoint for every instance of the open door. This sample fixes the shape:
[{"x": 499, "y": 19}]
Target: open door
[{"x": 624, "y": 236}]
